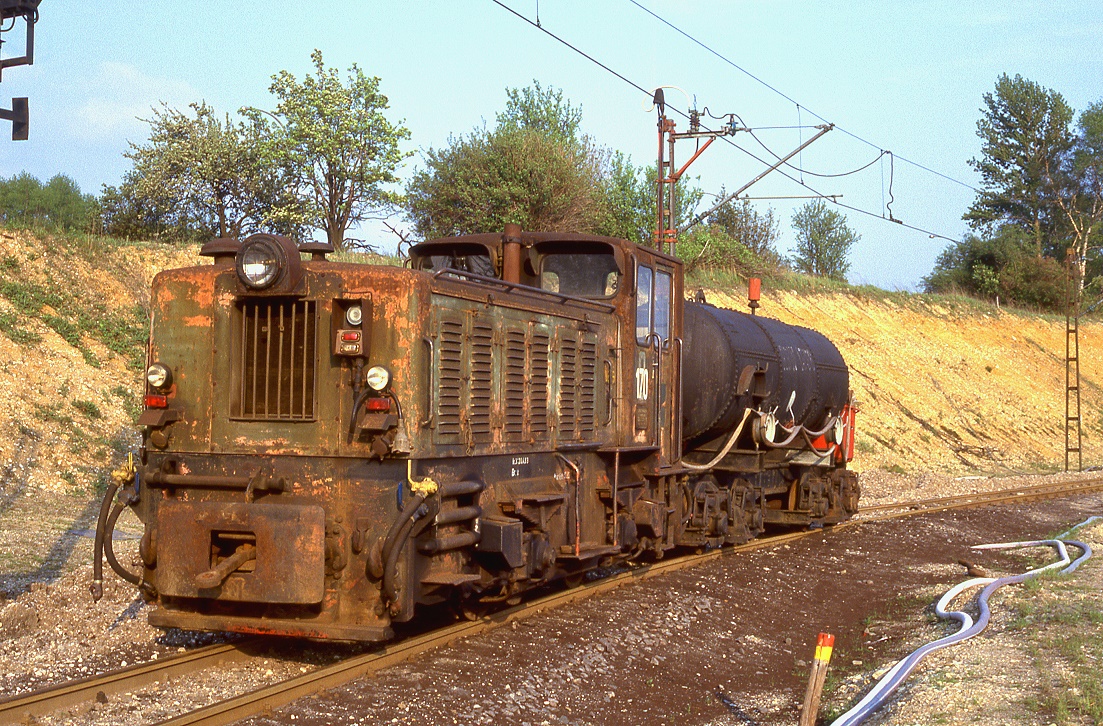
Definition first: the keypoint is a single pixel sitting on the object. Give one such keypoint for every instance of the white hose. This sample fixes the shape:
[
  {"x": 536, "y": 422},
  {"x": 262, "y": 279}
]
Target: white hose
[
  {"x": 891, "y": 680},
  {"x": 723, "y": 452}
]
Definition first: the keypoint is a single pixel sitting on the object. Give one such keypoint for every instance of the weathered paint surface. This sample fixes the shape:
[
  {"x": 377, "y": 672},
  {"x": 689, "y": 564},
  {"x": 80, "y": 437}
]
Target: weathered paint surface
[{"x": 525, "y": 435}]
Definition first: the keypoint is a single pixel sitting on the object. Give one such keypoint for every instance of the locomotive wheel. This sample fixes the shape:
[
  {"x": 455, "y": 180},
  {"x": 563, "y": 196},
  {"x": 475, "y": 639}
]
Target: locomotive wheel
[{"x": 573, "y": 581}]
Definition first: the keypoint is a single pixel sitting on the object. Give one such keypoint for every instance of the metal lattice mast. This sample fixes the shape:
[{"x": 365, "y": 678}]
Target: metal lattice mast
[{"x": 1072, "y": 361}]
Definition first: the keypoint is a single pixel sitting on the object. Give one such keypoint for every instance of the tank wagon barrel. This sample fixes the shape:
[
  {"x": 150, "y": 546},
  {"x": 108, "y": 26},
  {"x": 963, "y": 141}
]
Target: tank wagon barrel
[{"x": 734, "y": 361}]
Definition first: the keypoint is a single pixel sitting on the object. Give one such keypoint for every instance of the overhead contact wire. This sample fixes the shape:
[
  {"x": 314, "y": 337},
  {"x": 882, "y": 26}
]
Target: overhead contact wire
[
  {"x": 685, "y": 115},
  {"x": 787, "y": 97}
]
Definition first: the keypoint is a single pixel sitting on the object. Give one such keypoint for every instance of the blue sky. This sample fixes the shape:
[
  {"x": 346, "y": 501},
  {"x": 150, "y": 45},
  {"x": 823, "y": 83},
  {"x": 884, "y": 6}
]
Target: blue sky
[{"x": 906, "y": 76}]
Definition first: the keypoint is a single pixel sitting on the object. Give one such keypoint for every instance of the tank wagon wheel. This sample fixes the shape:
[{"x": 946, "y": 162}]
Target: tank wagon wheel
[
  {"x": 573, "y": 581},
  {"x": 746, "y": 512}
]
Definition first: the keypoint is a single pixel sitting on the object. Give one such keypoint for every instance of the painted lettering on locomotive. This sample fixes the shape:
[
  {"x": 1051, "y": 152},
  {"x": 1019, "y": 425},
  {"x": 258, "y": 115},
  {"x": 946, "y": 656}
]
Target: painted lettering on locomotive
[{"x": 327, "y": 446}]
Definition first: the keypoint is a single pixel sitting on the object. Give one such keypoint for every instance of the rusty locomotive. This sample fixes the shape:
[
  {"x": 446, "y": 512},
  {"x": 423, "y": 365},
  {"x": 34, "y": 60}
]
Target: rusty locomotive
[{"x": 328, "y": 446}]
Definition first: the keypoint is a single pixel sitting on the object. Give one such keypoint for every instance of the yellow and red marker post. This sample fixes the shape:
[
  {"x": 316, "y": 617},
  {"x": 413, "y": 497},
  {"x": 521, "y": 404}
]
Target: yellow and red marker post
[{"x": 824, "y": 645}]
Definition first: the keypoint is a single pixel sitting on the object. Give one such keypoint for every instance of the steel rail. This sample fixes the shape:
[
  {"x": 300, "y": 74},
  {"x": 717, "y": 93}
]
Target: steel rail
[
  {"x": 47, "y": 700},
  {"x": 333, "y": 676},
  {"x": 328, "y": 677},
  {"x": 22, "y": 709},
  {"x": 961, "y": 501}
]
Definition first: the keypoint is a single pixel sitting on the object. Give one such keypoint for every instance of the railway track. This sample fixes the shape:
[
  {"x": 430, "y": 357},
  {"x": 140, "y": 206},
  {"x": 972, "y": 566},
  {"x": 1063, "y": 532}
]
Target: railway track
[
  {"x": 1022, "y": 494},
  {"x": 327, "y": 677},
  {"x": 48, "y": 700}
]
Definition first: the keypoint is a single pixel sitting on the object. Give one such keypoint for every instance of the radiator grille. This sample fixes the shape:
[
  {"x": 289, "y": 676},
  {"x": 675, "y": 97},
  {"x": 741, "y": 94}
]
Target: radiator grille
[
  {"x": 514, "y": 385},
  {"x": 587, "y": 386},
  {"x": 451, "y": 377},
  {"x": 277, "y": 363},
  {"x": 538, "y": 382},
  {"x": 482, "y": 341},
  {"x": 568, "y": 382}
]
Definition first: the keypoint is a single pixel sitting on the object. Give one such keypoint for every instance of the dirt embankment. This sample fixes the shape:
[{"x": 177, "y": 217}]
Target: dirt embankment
[
  {"x": 952, "y": 385},
  {"x": 73, "y": 325}
]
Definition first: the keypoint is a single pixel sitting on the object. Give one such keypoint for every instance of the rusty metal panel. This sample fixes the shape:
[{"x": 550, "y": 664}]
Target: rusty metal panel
[
  {"x": 450, "y": 379},
  {"x": 513, "y": 385},
  {"x": 290, "y": 544},
  {"x": 480, "y": 359}
]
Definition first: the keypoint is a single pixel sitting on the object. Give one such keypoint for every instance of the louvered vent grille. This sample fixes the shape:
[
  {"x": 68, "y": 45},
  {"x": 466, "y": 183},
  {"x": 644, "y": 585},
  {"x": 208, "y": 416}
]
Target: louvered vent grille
[
  {"x": 538, "y": 383},
  {"x": 514, "y": 385},
  {"x": 587, "y": 386},
  {"x": 568, "y": 382},
  {"x": 482, "y": 341},
  {"x": 451, "y": 377},
  {"x": 277, "y": 362}
]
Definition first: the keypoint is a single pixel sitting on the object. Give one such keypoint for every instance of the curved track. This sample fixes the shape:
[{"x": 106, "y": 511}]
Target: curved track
[{"x": 327, "y": 677}]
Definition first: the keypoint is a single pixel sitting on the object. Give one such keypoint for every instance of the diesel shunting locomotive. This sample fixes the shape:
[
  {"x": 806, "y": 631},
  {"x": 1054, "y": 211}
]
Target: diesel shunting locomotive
[{"x": 328, "y": 446}]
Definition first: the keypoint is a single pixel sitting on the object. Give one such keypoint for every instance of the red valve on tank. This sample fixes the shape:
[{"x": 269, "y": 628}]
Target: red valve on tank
[{"x": 754, "y": 293}]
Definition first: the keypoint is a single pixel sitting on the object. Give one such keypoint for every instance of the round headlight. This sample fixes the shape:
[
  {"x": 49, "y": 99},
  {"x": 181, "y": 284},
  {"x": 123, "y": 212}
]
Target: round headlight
[
  {"x": 159, "y": 376},
  {"x": 354, "y": 315},
  {"x": 378, "y": 377},
  {"x": 259, "y": 264}
]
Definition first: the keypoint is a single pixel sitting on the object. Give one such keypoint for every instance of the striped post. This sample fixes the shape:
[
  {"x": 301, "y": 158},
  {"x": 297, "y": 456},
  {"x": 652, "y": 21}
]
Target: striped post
[{"x": 824, "y": 644}]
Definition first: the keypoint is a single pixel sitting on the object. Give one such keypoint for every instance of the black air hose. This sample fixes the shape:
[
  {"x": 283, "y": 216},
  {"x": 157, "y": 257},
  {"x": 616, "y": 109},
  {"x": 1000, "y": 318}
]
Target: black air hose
[
  {"x": 390, "y": 563},
  {"x": 109, "y": 547},
  {"x": 97, "y": 550},
  {"x": 403, "y": 517}
]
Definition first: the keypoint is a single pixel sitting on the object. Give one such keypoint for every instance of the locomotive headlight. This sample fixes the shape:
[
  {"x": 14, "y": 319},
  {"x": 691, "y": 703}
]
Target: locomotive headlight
[
  {"x": 377, "y": 378},
  {"x": 159, "y": 376},
  {"x": 354, "y": 315},
  {"x": 259, "y": 263}
]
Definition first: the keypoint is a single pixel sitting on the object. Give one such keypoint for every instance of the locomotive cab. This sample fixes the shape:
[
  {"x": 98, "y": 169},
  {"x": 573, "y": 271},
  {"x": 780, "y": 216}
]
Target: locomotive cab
[{"x": 327, "y": 445}]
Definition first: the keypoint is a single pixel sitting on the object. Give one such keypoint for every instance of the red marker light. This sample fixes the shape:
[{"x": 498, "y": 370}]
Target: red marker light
[
  {"x": 379, "y": 404},
  {"x": 350, "y": 335},
  {"x": 157, "y": 400}
]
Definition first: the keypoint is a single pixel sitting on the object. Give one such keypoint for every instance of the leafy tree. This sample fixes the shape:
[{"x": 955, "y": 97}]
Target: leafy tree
[
  {"x": 57, "y": 204},
  {"x": 335, "y": 143},
  {"x": 1080, "y": 189},
  {"x": 543, "y": 110},
  {"x": 537, "y": 168},
  {"x": 482, "y": 181},
  {"x": 1001, "y": 265},
  {"x": 823, "y": 241},
  {"x": 627, "y": 200},
  {"x": 735, "y": 237},
  {"x": 125, "y": 213},
  {"x": 1025, "y": 133},
  {"x": 756, "y": 231},
  {"x": 201, "y": 168}
]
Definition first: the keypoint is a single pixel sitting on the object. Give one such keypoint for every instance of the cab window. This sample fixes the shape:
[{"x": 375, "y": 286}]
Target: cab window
[
  {"x": 643, "y": 303},
  {"x": 590, "y": 274},
  {"x": 653, "y": 303},
  {"x": 662, "y": 304}
]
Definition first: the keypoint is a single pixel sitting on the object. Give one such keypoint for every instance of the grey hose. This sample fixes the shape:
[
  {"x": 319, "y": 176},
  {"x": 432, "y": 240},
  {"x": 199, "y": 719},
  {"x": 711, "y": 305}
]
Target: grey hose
[{"x": 896, "y": 675}]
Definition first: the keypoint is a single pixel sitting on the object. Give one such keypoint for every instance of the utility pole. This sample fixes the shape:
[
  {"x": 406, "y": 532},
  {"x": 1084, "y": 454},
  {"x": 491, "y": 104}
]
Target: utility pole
[
  {"x": 1074, "y": 271},
  {"x": 666, "y": 220},
  {"x": 666, "y": 229}
]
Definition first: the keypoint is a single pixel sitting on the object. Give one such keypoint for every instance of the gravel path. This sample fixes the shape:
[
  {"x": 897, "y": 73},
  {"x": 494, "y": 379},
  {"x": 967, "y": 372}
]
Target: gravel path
[{"x": 725, "y": 643}]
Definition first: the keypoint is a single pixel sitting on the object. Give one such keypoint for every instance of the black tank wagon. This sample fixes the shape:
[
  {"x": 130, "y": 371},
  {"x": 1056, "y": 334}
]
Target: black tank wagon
[{"x": 327, "y": 446}]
